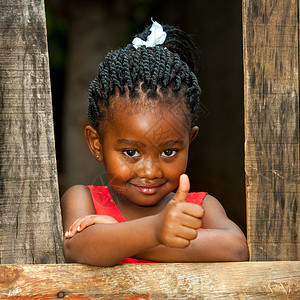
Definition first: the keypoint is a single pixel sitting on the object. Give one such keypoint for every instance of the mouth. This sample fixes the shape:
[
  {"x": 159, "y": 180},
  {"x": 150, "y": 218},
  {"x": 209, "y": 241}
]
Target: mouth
[{"x": 148, "y": 189}]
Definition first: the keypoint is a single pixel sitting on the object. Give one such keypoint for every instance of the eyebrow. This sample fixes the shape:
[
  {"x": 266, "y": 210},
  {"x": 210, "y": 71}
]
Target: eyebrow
[
  {"x": 129, "y": 142},
  {"x": 172, "y": 143},
  {"x": 169, "y": 143}
]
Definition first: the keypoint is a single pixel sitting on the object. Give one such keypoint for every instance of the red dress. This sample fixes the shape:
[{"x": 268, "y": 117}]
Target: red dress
[{"x": 105, "y": 205}]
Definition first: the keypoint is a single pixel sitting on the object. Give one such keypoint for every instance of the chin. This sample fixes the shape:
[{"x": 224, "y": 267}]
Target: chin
[{"x": 148, "y": 200}]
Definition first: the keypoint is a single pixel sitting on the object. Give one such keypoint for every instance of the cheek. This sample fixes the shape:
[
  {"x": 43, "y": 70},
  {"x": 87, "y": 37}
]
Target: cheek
[
  {"x": 183, "y": 159},
  {"x": 175, "y": 169},
  {"x": 118, "y": 169}
]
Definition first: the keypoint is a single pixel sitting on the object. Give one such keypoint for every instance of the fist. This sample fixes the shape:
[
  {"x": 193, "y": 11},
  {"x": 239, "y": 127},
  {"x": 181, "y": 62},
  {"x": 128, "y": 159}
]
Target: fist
[{"x": 178, "y": 222}]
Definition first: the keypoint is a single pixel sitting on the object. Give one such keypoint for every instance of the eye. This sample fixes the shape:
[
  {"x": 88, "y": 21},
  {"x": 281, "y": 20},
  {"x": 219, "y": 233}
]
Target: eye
[
  {"x": 131, "y": 153},
  {"x": 168, "y": 153}
]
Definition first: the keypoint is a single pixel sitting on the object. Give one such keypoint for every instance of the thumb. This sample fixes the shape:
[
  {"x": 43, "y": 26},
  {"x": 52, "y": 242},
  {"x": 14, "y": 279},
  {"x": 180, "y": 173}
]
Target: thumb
[{"x": 183, "y": 188}]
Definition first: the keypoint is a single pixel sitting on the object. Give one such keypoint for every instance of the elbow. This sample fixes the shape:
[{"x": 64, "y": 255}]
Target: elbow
[
  {"x": 81, "y": 255},
  {"x": 239, "y": 250},
  {"x": 68, "y": 251}
]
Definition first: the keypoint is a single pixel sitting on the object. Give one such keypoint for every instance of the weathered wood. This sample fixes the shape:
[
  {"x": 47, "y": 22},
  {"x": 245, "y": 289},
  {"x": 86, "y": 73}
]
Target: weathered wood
[
  {"x": 30, "y": 222},
  {"x": 271, "y": 75},
  {"x": 260, "y": 280}
]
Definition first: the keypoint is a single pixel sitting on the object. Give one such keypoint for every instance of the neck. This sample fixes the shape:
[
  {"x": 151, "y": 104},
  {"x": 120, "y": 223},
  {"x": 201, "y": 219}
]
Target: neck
[{"x": 133, "y": 211}]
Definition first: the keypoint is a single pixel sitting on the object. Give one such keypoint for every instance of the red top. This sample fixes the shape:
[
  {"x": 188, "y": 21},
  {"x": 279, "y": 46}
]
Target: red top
[{"x": 105, "y": 205}]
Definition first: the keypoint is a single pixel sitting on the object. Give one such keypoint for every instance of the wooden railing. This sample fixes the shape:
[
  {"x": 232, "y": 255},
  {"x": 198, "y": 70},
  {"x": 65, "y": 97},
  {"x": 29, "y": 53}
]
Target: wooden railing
[{"x": 247, "y": 280}]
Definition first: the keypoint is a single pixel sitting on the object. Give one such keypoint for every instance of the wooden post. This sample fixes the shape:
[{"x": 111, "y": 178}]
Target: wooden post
[
  {"x": 30, "y": 222},
  {"x": 271, "y": 74}
]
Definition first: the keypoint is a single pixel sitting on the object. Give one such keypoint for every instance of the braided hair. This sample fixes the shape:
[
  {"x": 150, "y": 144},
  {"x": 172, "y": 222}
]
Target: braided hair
[{"x": 157, "y": 72}]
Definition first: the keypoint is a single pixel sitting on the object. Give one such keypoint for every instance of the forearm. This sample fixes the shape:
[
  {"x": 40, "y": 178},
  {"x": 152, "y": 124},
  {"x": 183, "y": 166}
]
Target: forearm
[
  {"x": 210, "y": 245},
  {"x": 108, "y": 244}
]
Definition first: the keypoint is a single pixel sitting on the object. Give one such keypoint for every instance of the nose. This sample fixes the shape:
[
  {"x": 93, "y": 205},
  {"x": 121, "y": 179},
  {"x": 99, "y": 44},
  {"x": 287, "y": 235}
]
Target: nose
[{"x": 149, "y": 168}]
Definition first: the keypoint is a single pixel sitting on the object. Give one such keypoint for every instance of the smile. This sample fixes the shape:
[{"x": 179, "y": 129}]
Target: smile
[{"x": 147, "y": 189}]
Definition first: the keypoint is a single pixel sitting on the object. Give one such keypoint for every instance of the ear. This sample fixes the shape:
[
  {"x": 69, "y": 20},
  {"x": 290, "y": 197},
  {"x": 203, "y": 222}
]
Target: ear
[
  {"x": 194, "y": 132},
  {"x": 93, "y": 141}
]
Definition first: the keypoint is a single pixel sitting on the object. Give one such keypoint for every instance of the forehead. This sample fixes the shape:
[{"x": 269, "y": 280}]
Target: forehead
[{"x": 154, "y": 122}]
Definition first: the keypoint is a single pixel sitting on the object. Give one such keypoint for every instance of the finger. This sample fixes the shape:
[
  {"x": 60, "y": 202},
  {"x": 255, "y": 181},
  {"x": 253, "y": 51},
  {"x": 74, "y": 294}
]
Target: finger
[
  {"x": 95, "y": 219},
  {"x": 86, "y": 222},
  {"x": 187, "y": 233},
  {"x": 71, "y": 232},
  {"x": 191, "y": 222},
  {"x": 193, "y": 210},
  {"x": 183, "y": 188},
  {"x": 73, "y": 228},
  {"x": 177, "y": 242},
  {"x": 107, "y": 220}
]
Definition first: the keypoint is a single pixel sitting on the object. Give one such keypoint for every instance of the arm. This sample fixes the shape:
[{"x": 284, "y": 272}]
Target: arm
[
  {"x": 222, "y": 240},
  {"x": 108, "y": 244},
  {"x": 231, "y": 243},
  {"x": 169, "y": 236},
  {"x": 102, "y": 244}
]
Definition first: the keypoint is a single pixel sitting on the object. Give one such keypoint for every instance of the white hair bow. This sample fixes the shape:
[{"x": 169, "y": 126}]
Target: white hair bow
[{"x": 157, "y": 37}]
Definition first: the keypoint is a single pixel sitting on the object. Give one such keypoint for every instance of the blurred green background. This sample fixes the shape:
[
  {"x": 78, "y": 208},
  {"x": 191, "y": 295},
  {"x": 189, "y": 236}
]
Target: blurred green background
[{"x": 79, "y": 35}]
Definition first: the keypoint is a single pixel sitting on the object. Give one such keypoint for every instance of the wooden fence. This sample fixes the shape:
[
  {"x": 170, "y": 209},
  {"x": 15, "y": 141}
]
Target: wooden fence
[{"x": 30, "y": 224}]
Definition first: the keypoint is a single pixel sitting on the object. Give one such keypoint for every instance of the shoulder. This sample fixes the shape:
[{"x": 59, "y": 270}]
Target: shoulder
[
  {"x": 215, "y": 215},
  {"x": 212, "y": 203},
  {"x": 75, "y": 203},
  {"x": 76, "y": 191},
  {"x": 82, "y": 194}
]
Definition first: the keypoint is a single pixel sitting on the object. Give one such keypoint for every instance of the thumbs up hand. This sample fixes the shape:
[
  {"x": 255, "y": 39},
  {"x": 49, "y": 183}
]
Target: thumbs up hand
[{"x": 178, "y": 222}]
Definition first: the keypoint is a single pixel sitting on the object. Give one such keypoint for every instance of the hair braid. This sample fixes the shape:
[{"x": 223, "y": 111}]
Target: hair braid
[
  {"x": 116, "y": 63},
  {"x": 153, "y": 59},
  {"x": 161, "y": 65},
  {"x": 168, "y": 61},
  {"x": 145, "y": 66},
  {"x": 93, "y": 111},
  {"x": 104, "y": 82},
  {"x": 135, "y": 58},
  {"x": 113, "y": 78},
  {"x": 127, "y": 73}
]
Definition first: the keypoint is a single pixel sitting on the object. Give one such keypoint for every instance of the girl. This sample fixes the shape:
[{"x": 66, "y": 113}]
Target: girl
[{"x": 142, "y": 108}]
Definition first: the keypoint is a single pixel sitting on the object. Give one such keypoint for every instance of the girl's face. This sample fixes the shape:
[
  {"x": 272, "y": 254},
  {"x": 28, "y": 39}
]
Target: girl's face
[{"x": 145, "y": 150}]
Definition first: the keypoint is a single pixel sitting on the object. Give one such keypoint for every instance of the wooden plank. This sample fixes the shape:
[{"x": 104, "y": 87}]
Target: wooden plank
[
  {"x": 30, "y": 222},
  {"x": 257, "y": 280},
  {"x": 271, "y": 84}
]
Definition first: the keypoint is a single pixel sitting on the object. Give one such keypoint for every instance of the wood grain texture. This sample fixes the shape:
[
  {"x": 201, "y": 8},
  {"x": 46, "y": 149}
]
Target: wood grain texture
[
  {"x": 30, "y": 222},
  {"x": 271, "y": 84},
  {"x": 257, "y": 280}
]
